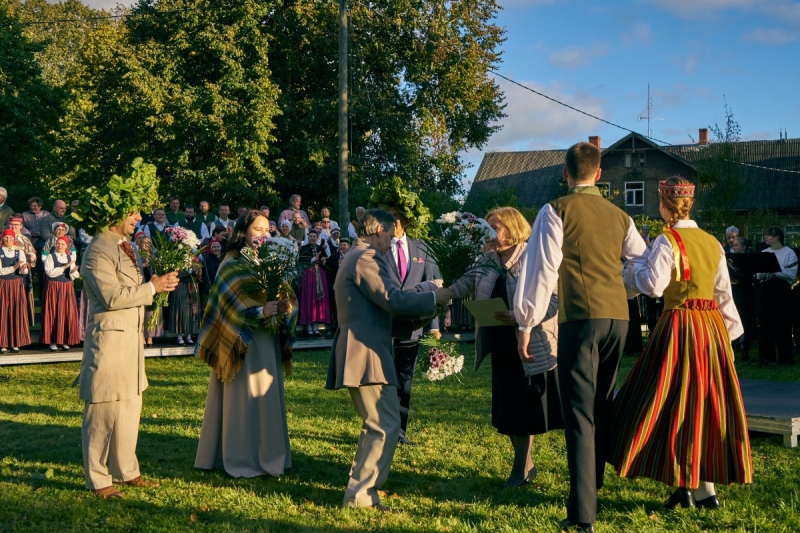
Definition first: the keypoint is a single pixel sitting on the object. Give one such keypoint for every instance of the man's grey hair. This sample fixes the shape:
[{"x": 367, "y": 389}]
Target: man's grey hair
[
  {"x": 731, "y": 229},
  {"x": 3, "y": 192},
  {"x": 372, "y": 220},
  {"x": 294, "y": 197}
]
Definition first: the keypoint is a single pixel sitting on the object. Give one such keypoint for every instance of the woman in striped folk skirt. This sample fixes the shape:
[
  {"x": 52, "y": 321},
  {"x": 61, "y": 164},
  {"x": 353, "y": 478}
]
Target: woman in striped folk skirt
[
  {"x": 183, "y": 313},
  {"x": 14, "y": 326},
  {"x": 679, "y": 417},
  {"x": 60, "y": 321}
]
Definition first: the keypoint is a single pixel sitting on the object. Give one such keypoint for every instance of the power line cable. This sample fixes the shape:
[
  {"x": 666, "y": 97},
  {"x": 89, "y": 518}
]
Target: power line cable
[{"x": 496, "y": 73}]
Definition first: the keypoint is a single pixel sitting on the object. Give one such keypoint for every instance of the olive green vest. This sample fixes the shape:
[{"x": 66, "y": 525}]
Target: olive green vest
[
  {"x": 196, "y": 226},
  {"x": 590, "y": 275},
  {"x": 703, "y": 252}
]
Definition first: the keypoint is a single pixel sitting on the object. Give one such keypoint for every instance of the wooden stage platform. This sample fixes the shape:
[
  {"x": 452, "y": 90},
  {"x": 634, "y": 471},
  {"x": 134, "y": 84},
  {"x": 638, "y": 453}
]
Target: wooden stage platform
[{"x": 773, "y": 407}]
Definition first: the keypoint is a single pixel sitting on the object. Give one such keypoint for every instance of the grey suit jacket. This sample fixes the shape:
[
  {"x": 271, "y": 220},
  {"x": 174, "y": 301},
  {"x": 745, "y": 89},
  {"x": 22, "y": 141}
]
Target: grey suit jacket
[
  {"x": 113, "y": 355},
  {"x": 367, "y": 297},
  {"x": 420, "y": 269}
]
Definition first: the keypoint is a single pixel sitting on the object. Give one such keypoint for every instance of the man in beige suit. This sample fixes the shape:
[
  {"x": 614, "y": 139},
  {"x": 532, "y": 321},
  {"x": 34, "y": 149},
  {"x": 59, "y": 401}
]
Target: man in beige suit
[
  {"x": 112, "y": 371},
  {"x": 367, "y": 297}
]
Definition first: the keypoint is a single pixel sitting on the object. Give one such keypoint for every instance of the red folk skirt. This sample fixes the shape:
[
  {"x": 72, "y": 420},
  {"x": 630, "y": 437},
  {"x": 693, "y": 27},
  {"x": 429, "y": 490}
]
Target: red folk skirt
[
  {"x": 60, "y": 321},
  {"x": 14, "y": 326},
  {"x": 679, "y": 417}
]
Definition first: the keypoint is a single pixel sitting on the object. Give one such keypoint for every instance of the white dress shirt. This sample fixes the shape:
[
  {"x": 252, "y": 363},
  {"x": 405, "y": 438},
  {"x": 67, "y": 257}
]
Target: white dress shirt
[
  {"x": 652, "y": 273},
  {"x": 787, "y": 260},
  {"x": 538, "y": 276}
]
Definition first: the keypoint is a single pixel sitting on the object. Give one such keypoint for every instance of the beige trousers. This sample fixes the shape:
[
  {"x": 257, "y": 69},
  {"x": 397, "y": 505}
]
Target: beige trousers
[
  {"x": 379, "y": 407},
  {"x": 109, "y": 434}
]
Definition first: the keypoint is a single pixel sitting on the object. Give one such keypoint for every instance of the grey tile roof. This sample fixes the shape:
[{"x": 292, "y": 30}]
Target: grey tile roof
[
  {"x": 535, "y": 175},
  {"x": 770, "y": 171}
]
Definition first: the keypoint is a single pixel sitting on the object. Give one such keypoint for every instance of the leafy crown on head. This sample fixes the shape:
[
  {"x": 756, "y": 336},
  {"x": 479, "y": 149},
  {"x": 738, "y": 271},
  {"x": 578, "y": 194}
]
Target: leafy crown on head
[
  {"x": 392, "y": 193},
  {"x": 105, "y": 206}
]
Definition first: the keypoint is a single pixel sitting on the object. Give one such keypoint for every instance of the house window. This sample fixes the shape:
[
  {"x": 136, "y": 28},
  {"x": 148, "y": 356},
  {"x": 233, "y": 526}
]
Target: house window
[
  {"x": 641, "y": 158},
  {"x": 634, "y": 193},
  {"x": 628, "y": 160}
]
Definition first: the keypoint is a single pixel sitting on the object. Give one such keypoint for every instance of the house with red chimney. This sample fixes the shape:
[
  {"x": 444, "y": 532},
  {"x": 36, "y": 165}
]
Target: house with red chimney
[{"x": 633, "y": 166}]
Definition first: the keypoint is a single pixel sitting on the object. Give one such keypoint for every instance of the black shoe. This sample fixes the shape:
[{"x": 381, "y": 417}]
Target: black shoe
[
  {"x": 712, "y": 502},
  {"x": 403, "y": 440},
  {"x": 682, "y": 497},
  {"x": 530, "y": 477},
  {"x": 569, "y": 525}
]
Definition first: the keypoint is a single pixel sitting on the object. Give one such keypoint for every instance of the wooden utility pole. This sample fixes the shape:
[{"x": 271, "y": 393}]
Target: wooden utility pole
[{"x": 344, "y": 151}]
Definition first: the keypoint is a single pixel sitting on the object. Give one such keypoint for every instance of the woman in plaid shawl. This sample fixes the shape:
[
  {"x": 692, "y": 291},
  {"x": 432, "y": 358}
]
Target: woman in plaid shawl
[{"x": 244, "y": 425}]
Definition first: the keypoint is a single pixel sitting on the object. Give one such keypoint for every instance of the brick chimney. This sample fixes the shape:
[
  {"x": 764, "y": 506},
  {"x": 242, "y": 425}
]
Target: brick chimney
[
  {"x": 595, "y": 141},
  {"x": 703, "y": 137}
]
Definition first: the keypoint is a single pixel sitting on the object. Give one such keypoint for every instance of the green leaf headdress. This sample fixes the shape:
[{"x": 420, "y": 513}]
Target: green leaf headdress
[
  {"x": 392, "y": 193},
  {"x": 109, "y": 205}
]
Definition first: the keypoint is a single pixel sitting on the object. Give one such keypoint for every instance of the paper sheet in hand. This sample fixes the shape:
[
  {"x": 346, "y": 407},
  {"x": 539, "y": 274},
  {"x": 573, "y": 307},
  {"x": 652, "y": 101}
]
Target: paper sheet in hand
[{"x": 484, "y": 310}]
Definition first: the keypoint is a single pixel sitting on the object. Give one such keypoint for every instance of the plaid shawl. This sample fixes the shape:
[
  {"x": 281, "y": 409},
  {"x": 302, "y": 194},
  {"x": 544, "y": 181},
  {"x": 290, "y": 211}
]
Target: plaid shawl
[{"x": 230, "y": 319}]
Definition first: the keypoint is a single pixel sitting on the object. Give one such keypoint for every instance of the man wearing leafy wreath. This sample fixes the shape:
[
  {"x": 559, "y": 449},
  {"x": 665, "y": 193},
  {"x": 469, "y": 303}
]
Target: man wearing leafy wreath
[
  {"x": 112, "y": 377},
  {"x": 412, "y": 266}
]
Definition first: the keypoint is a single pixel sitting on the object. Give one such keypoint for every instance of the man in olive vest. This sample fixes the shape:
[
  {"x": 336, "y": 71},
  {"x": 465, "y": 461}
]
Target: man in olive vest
[
  {"x": 194, "y": 224},
  {"x": 577, "y": 242}
]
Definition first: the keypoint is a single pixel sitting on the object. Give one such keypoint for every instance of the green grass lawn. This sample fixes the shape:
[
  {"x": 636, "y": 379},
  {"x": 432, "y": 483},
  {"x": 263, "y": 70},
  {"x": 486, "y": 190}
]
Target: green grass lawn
[{"x": 449, "y": 482}]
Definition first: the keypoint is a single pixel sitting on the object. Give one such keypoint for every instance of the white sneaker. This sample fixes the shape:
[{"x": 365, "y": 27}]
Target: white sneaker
[
  {"x": 53, "y": 348},
  {"x": 65, "y": 347}
]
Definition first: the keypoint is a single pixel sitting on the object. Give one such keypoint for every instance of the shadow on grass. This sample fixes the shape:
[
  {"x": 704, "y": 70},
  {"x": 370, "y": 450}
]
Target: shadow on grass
[{"x": 27, "y": 409}]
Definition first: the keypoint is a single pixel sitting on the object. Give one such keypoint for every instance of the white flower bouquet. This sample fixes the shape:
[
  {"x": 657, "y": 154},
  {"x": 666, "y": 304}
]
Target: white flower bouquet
[
  {"x": 459, "y": 241},
  {"x": 442, "y": 359},
  {"x": 273, "y": 266},
  {"x": 172, "y": 250}
]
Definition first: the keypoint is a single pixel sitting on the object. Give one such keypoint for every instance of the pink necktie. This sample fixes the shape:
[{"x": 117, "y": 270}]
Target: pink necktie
[{"x": 401, "y": 261}]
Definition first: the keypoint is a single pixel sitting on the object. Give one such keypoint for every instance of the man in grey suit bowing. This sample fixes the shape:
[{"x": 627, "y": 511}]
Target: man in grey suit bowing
[{"x": 368, "y": 296}]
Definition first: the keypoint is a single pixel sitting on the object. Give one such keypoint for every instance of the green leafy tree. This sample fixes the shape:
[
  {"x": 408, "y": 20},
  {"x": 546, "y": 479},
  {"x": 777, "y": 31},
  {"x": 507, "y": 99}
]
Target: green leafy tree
[
  {"x": 29, "y": 111},
  {"x": 719, "y": 178},
  {"x": 186, "y": 85},
  {"x": 420, "y": 93}
]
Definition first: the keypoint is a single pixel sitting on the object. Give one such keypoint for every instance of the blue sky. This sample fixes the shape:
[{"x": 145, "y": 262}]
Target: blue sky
[{"x": 600, "y": 56}]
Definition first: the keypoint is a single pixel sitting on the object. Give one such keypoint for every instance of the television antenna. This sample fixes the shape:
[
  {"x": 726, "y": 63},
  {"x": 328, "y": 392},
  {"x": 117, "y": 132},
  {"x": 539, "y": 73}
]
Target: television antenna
[{"x": 648, "y": 118}]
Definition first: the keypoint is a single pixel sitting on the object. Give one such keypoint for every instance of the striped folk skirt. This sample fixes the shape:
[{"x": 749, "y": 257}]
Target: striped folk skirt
[
  {"x": 679, "y": 417},
  {"x": 314, "y": 300},
  {"x": 60, "y": 319},
  {"x": 14, "y": 326}
]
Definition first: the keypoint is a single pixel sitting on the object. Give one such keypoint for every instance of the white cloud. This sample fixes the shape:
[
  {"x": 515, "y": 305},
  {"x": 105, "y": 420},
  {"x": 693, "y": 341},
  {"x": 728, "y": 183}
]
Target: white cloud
[
  {"x": 535, "y": 123},
  {"x": 785, "y": 10},
  {"x": 640, "y": 33},
  {"x": 769, "y": 36},
  {"x": 577, "y": 56}
]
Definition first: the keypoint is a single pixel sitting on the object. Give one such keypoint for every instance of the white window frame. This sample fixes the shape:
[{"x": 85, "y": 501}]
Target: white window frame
[
  {"x": 632, "y": 191},
  {"x": 628, "y": 159}
]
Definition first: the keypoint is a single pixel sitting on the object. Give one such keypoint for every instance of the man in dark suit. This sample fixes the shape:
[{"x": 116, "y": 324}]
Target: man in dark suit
[
  {"x": 411, "y": 267},
  {"x": 367, "y": 297}
]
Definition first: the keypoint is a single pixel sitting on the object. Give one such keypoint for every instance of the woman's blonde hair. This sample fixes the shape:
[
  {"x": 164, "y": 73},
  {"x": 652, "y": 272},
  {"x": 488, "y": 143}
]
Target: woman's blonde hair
[
  {"x": 518, "y": 228},
  {"x": 677, "y": 206}
]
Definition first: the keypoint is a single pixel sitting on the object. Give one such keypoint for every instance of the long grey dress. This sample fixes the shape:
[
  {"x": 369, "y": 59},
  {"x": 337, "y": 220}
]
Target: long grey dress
[{"x": 244, "y": 425}]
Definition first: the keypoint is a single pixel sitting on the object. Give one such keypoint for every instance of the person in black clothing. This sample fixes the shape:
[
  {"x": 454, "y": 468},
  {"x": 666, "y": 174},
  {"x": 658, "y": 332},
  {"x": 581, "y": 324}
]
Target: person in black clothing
[
  {"x": 744, "y": 299},
  {"x": 314, "y": 299}
]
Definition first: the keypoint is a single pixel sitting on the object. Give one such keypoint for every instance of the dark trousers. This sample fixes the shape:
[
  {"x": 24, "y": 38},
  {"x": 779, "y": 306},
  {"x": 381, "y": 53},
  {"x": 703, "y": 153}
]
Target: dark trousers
[
  {"x": 405, "y": 360},
  {"x": 589, "y": 352},
  {"x": 774, "y": 321}
]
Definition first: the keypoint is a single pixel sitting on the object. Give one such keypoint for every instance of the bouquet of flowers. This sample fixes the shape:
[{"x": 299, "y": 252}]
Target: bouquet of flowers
[
  {"x": 460, "y": 240},
  {"x": 173, "y": 250},
  {"x": 441, "y": 360},
  {"x": 273, "y": 266}
]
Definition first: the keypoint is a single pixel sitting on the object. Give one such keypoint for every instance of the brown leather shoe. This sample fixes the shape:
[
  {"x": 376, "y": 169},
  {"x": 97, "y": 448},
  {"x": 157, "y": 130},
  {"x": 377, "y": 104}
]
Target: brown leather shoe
[
  {"x": 108, "y": 493},
  {"x": 138, "y": 481}
]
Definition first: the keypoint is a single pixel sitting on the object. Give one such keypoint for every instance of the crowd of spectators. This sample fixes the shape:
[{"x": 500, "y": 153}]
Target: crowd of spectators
[
  {"x": 40, "y": 247},
  {"x": 43, "y": 249}
]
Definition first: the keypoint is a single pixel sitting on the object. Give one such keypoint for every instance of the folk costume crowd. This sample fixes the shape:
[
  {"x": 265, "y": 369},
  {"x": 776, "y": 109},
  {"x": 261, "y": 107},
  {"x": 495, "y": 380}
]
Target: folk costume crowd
[{"x": 678, "y": 418}]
